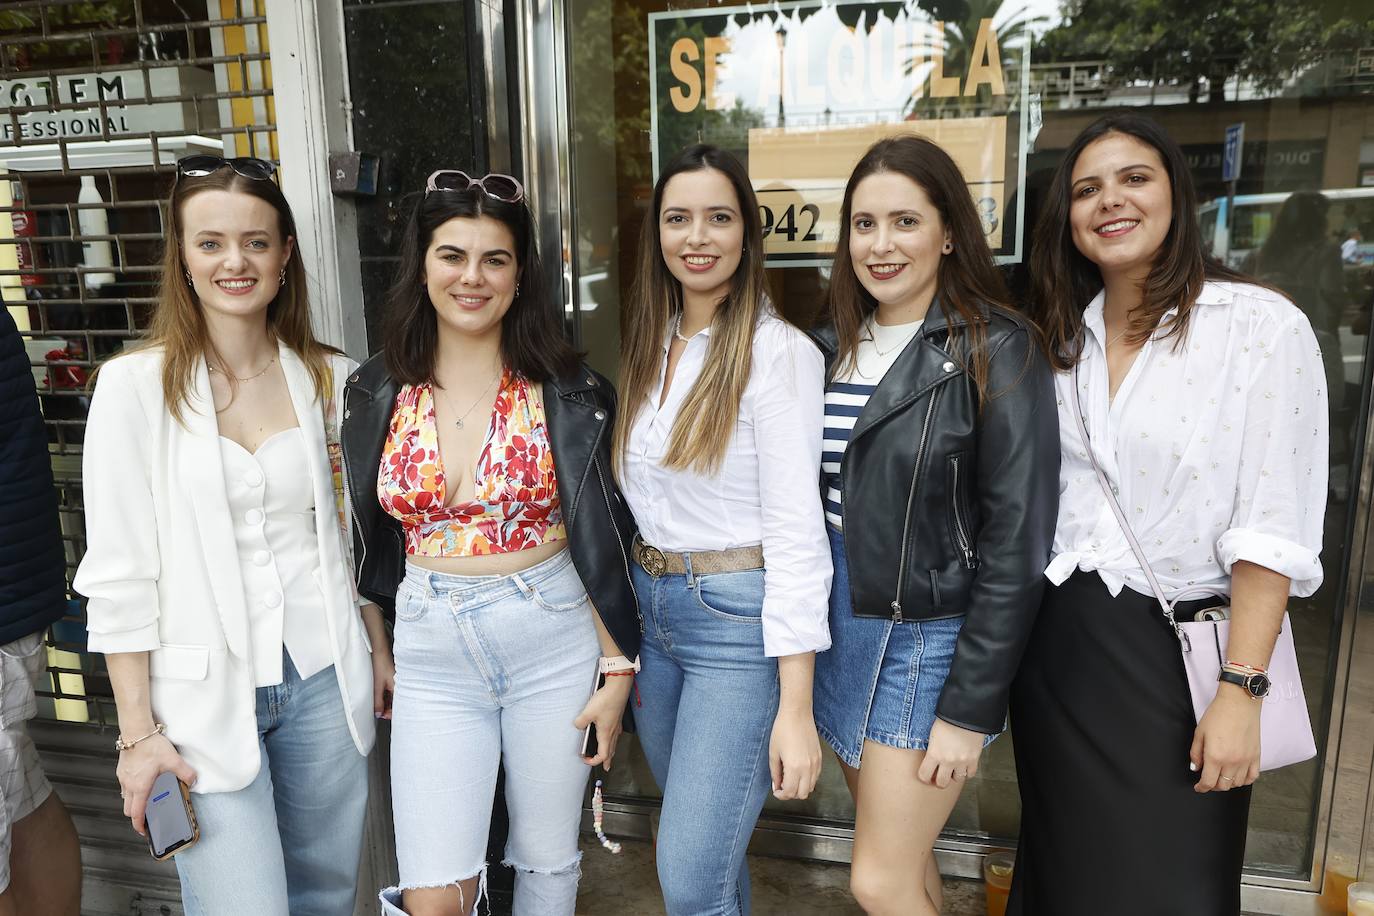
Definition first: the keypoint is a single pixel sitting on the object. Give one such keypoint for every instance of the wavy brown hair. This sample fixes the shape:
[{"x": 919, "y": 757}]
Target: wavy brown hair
[
  {"x": 1064, "y": 281},
  {"x": 967, "y": 279},
  {"x": 704, "y": 426},
  {"x": 178, "y": 323}
]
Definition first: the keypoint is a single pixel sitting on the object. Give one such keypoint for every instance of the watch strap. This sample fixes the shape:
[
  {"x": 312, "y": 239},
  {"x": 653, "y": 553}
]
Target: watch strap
[
  {"x": 618, "y": 663},
  {"x": 1245, "y": 681}
]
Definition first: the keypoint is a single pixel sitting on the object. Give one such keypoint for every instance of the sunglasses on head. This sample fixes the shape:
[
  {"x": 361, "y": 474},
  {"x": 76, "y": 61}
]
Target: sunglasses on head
[
  {"x": 499, "y": 187},
  {"x": 246, "y": 166}
]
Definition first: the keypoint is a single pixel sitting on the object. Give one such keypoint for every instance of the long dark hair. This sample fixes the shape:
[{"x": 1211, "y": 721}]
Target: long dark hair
[
  {"x": 703, "y": 427},
  {"x": 967, "y": 278},
  {"x": 1065, "y": 281},
  {"x": 533, "y": 342}
]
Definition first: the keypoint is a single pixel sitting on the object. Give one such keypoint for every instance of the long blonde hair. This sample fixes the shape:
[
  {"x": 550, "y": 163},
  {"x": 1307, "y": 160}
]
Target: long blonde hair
[
  {"x": 704, "y": 426},
  {"x": 178, "y": 323}
]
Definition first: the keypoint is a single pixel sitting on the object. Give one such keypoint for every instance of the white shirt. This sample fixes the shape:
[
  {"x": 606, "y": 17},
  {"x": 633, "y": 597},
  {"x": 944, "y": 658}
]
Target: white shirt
[
  {"x": 1218, "y": 450},
  {"x": 273, "y": 510},
  {"x": 845, "y": 399},
  {"x": 766, "y": 489}
]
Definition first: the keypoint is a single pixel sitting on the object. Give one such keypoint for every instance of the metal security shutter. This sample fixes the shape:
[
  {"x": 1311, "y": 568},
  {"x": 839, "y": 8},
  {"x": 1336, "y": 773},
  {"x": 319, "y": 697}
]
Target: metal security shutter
[{"x": 97, "y": 102}]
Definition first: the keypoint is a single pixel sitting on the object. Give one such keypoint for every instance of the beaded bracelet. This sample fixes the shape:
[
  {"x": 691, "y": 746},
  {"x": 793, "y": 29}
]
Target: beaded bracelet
[{"x": 598, "y": 816}]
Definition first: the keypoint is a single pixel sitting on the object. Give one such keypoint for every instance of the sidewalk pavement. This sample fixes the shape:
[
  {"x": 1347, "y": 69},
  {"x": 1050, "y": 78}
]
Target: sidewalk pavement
[{"x": 628, "y": 883}]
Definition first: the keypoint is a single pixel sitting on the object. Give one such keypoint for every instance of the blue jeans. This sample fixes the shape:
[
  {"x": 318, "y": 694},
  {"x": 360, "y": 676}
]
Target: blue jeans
[
  {"x": 491, "y": 669},
  {"x": 709, "y": 698},
  {"x": 289, "y": 843}
]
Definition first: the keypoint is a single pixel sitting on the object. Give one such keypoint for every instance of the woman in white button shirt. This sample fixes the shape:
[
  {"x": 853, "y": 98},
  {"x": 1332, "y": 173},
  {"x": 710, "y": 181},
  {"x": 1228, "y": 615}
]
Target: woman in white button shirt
[
  {"x": 718, "y": 451},
  {"x": 1203, "y": 396},
  {"x": 216, "y": 562}
]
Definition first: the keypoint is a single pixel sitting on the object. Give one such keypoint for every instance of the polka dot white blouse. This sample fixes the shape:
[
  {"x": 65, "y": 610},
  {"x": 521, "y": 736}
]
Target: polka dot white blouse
[{"x": 1218, "y": 450}]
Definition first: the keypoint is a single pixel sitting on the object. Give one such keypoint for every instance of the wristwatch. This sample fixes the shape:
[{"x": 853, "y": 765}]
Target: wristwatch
[
  {"x": 1257, "y": 684},
  {"x": 618, "y": 663}
]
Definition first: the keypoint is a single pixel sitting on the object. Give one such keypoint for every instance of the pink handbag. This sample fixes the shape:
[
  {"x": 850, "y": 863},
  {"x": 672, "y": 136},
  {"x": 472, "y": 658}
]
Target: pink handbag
[{"x": 1285, "y": 727}]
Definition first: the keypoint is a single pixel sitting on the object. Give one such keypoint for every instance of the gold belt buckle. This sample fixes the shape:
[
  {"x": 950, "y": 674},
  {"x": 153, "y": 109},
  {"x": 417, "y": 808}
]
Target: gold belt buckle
[{"x": 651, "y": 558}]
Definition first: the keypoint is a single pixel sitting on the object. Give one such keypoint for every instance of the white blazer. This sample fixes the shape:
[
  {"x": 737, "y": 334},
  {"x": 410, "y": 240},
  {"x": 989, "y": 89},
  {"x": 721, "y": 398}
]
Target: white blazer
[{"x": 161, "y": 568}]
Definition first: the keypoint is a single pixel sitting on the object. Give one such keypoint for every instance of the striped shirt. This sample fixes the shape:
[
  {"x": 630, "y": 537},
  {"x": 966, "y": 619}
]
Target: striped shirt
[{"x": 846, "y": 396}]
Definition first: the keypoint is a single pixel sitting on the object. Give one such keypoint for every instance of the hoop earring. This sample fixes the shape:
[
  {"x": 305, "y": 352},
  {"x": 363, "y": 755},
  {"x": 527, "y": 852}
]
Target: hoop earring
[{"x": 948, "y": 248}]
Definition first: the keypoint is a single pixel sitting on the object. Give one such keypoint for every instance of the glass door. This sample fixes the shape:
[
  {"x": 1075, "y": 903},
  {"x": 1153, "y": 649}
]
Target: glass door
[{"x": 799, "y": 89}]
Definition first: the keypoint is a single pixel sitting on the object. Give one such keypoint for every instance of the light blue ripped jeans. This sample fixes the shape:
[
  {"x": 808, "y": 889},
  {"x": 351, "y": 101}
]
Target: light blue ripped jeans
[{"x": 491, "y": 669}]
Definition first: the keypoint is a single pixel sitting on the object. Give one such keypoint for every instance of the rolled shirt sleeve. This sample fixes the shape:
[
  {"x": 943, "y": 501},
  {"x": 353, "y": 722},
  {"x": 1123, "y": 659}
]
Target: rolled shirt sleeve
[
  {"x": 789, "y": 418},
  {"x": 119, "y": 572},
  {"x": 1282, "y": 484}
]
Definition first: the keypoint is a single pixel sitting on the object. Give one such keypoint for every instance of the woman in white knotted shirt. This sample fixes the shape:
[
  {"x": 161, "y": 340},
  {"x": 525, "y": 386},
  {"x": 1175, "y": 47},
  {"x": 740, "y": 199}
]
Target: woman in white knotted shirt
[{"x": 1203, "y": 396}]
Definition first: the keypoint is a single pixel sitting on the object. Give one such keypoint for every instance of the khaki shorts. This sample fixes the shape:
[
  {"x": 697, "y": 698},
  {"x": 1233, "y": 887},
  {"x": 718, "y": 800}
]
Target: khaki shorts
[{"x": 23, "y": 787}]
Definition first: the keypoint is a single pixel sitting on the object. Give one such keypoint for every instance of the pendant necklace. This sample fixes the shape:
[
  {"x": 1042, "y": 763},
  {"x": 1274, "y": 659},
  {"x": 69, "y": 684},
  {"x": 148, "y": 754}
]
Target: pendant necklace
[
  {"x": 873, "y": 339},
  {"x": 257, "y": 374},
  {"x": 459, "y": 422}
]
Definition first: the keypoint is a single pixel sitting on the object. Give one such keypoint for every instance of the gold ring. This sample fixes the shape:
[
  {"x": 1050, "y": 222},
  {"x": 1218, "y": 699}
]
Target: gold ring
[{"x": 1228, "y": 779}]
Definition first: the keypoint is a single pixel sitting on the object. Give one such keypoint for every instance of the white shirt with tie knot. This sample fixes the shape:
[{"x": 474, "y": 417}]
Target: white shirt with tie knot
[{"x": 1217, "y": 449}]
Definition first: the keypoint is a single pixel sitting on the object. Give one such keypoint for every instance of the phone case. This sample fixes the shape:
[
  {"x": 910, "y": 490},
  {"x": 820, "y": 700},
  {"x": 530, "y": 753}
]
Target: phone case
[
  {"x": 190, "y": 817},
  {"x": 589, "y": 746}
]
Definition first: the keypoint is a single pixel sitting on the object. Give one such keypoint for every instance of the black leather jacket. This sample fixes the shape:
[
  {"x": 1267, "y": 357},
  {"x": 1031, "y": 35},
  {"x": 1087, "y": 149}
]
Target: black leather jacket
[
  {"x": 981, "y": 496},
  {"x": 580, "y": 413}
]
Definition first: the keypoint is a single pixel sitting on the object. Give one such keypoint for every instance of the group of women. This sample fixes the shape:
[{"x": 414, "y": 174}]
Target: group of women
[{"x": 881, "y": 535}]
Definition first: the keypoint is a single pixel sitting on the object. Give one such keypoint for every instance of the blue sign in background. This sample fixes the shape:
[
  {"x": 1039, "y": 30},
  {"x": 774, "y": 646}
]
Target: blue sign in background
[{"x": 1231, "y": 152}]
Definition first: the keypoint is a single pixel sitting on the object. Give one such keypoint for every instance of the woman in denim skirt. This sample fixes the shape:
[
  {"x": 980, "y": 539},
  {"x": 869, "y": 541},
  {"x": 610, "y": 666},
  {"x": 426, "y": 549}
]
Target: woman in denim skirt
[
  {"x": 476, "y": 448},
  {"x": 939, "y": 480},
  {"x": 718, "y": 452}
]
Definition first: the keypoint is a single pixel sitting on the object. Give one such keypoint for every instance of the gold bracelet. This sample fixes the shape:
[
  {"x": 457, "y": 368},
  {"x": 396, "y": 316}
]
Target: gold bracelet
[{"x": 122, "y": 745}]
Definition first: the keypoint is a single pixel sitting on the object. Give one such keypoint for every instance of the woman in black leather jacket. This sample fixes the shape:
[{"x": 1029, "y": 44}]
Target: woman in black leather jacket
[
  {"x": 940, "y": 482},
  {"x": 476, "y": 453}
]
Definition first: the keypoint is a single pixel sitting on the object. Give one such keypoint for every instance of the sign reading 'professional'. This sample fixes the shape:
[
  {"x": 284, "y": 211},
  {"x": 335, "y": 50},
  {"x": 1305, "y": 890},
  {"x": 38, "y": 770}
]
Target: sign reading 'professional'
[
  {"x": 800, "y": 90},
  {"x": 93, "y": 105}
]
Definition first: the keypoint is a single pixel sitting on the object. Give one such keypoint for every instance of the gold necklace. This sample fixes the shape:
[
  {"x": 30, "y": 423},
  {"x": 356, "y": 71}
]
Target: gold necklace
[
  {"x": 459, "y": 422},
  {"x": 258, "y": 374}
]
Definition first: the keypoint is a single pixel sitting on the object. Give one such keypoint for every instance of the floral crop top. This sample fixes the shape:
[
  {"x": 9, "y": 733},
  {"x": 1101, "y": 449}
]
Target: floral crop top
[{"x": 516, "y": 503}]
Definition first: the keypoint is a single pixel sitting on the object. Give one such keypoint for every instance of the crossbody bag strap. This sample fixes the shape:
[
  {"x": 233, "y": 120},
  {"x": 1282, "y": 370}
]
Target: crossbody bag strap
[{"x": 1120, "y": 515}]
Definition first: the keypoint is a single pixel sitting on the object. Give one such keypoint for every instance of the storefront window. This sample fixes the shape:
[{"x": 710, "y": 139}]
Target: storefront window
[
  {"x": 798, "y": 90},
  {"x": 97, "y": 102}
]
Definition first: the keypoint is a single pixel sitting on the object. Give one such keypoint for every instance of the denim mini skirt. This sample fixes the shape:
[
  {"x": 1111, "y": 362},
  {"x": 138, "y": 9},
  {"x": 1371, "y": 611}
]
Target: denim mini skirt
[{"x": 880, "y": 681}]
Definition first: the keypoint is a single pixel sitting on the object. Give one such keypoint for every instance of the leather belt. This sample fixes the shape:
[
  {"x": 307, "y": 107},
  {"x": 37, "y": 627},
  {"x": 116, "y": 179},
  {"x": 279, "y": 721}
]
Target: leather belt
[{"x": 657, "y": 562}]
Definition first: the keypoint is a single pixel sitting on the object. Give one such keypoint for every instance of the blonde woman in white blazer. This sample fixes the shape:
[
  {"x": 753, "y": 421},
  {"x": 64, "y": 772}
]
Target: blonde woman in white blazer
[{"x": 217, "y": 567}]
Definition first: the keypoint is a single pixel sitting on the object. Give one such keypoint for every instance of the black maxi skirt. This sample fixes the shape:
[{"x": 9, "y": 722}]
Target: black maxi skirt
[{"x": 1103, "y": 721}]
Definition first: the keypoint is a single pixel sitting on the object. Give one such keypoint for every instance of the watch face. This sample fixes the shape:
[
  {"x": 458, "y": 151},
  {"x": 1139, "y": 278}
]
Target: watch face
[{"x": 1258, "y": 685}]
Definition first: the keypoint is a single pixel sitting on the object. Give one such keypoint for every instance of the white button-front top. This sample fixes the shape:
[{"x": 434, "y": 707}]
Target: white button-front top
[
  {"x": 1217, "y": 449},
  {"x": 270, "y": 491},
  {"x": 766, "y": 491}
]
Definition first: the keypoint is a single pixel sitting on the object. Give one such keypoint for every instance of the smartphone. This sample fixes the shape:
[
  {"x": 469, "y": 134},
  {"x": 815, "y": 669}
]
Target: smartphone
[
  {"x": 589, "y": 745},
  {"x": 171, "y": 820}
]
